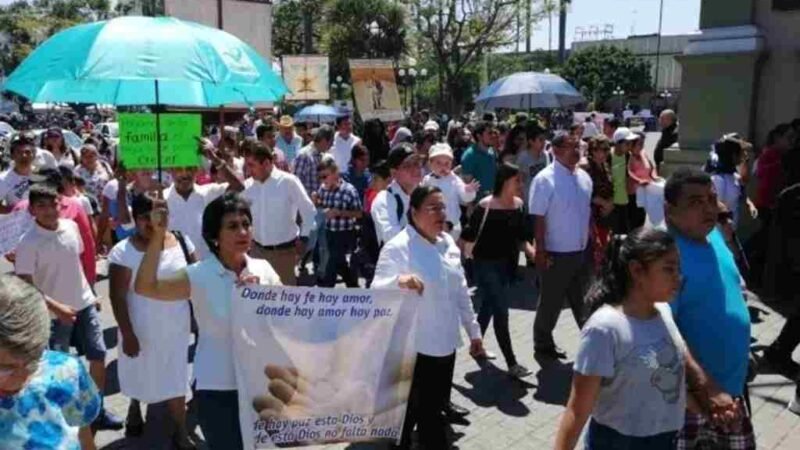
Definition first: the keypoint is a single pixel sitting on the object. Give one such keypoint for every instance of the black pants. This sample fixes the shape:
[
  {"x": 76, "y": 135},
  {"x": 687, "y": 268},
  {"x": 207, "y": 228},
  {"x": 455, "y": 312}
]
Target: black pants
[
  {"x": 493, "y": 279},
  {"x": 636, "y": 215},
  {"x": 430, "y": 390},
  {"x": 789, "y": 338},
  {"x": 218, "y": 414}
]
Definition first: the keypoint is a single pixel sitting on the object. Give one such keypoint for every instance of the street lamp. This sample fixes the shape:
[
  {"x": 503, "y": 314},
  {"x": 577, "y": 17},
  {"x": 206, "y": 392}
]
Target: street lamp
[
  {"x": 620, "y": 93},
  {"x": 339, "y": 86}
]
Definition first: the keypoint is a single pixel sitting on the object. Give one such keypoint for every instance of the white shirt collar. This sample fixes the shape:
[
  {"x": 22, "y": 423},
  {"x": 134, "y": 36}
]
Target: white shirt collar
[{"x": 220, "y": 269}]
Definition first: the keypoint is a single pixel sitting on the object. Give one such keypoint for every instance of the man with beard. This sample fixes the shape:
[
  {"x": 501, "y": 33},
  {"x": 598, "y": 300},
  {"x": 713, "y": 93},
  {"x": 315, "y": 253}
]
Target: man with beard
[{"x": 187, "y": 200}]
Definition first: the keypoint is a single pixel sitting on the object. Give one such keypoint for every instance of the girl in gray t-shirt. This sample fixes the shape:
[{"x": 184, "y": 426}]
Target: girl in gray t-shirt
[{"x": 629, "y": 371}]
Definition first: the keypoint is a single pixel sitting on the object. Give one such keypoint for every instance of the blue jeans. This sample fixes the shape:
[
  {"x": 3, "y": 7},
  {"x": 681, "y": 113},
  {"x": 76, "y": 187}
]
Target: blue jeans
[
  {"x": 601, "y": 437},
  {"x": 340, "y": 244},
  {"x": 218, "y": 415},
  {"x": 318, "y": 245},
  {"x": 493, "y": 280},
  {"x": 87, "y": 331}
]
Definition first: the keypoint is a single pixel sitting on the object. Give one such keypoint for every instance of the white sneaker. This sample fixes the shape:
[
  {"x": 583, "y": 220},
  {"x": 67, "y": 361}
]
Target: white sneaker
[
  {"x": 518, "y": 371},
  {"x": 794, "y": 406}
]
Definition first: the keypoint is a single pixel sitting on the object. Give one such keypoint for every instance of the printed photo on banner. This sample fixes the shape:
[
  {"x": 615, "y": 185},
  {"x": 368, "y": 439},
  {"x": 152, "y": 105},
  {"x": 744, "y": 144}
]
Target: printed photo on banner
[
  {"x": 317, "y": 366},
  {"x": 306, "y": 76},
  {"x": 179, "y": 145},
  {"x": 375, "y": 89}
]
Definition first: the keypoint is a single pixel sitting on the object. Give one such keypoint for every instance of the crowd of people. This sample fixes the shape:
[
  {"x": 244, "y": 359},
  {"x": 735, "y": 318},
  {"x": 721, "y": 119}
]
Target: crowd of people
[{"x": 437, "y": 207}]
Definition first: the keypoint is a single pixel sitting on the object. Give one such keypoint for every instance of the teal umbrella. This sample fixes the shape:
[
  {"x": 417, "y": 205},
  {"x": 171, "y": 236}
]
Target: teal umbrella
[{"x": 145, "y": 61}]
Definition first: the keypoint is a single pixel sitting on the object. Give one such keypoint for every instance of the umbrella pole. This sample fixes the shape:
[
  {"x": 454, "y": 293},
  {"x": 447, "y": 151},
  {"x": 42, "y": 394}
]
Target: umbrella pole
[{"x": 158, "y": 138}]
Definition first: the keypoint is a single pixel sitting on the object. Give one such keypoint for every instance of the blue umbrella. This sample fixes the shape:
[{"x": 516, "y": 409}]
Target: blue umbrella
[
  {"x": 318, "y": 113},
  {"x": 145, "y": 61},
  {"x": 529, "y": 90}
]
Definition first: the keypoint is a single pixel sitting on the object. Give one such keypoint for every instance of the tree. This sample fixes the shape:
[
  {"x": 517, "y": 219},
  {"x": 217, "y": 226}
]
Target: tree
[
  {"x": 598, "y": 71},
  {"x": 363, "y": 29},
  {"x": 458, "y": 33},
  {"x": 287, "y": 25},
  {"x": 27, "y": 24}
]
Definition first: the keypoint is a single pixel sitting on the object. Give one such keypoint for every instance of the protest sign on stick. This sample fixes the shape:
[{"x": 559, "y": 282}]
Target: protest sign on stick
[
  {"x": 317, "y": 366},
  {"x": 12, "y": 227},
  {"x": 138, "y": 142}
]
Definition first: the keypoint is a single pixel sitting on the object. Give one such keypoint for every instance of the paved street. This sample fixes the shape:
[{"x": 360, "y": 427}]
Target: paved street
[{"x": 508, "y": 414}]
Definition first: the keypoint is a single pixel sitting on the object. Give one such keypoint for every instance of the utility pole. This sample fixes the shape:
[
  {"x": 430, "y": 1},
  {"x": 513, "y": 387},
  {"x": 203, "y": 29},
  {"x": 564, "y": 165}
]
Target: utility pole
[
  {"x": 308, "y": 28},
  {"x": 528, "y": 21},
  {"x": 658, "y": 46},
  {"x": 562, "y": 30}
]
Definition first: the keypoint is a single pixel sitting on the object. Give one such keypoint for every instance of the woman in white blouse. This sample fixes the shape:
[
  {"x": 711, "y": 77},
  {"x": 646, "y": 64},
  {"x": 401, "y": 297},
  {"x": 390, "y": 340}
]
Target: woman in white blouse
[
  {"x": 426, "y": 259},
  {"x": 227, "y": 229}
]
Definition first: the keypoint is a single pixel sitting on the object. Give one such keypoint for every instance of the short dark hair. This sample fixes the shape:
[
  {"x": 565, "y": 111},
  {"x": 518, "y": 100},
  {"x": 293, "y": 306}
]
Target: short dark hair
[
  {"x": 327, "y": 163},
  {"x": 358, "y": 151},
  {"x": 341, "y": 119},
  {"x": 50, "y": 177},
  {"x": 680, "y": 178},
  {"x": 141, "y": 204},
  {"x": 611, "y": 121},
  {"x": 267, "y": 126},
  {"x": 420, "y": 137},
  {"x": 41, "y": 191},
  {"x": 230, "y": 202},
  {"x": 260, "y": 152},
  {"x": 324, "y": 132},
  {"x": 418, "y": 197},
  {"x": 533, "y": 131},
  {"x": 505, "y": 172},
  {"x": 481, "y": 127},
  {"x": 381, "y": 170}
]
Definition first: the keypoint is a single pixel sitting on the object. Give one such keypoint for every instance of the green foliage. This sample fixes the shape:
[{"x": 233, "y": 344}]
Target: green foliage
[
  {"x": 347, "y": 32},
  {"x": 598, "y": 71},
  {"x": 28, "y": 24},
  {"x": 287, "y": 25},
  {"x": 457, "y": 34}
]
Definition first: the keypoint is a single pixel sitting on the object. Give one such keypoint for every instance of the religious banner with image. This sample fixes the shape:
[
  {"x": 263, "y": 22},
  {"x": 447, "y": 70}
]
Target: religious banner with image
[
  {"x": 375, "y": 89},
  {"x": 318, "y": 366},
  {"x": 306, "y": 76}
]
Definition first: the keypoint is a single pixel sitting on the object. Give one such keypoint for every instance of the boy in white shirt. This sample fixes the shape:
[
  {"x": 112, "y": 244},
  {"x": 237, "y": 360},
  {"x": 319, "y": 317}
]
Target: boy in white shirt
[
  {"x": 48, "y": 257},
  {"x": 455, "y": 191}
]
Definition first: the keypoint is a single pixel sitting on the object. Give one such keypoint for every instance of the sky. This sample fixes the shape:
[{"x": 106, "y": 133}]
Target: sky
[{"x": 627, "y": 16}]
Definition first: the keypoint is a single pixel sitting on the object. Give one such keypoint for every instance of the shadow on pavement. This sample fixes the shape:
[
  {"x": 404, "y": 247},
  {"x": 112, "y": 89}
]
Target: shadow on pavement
[
  {"x": 554, "y": 381},
  {"x": 492, "y": 387}
]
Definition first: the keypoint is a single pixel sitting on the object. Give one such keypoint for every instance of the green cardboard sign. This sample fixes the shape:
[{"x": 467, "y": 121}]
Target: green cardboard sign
[{"x": 179, "y": 133}]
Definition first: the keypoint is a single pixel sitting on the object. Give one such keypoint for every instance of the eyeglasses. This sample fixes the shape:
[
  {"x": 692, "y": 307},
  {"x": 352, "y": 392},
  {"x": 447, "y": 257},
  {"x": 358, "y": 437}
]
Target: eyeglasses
[{"x": 433, "y": 209}]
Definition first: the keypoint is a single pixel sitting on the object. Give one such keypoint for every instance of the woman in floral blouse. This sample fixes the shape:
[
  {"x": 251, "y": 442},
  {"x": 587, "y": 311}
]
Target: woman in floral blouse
[{"x": 47, "y": 399}]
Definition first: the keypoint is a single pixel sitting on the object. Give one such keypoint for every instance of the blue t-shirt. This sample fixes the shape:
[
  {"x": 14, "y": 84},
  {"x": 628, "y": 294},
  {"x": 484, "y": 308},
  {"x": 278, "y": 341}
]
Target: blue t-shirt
[
  {"x": 47, "y": 412},
  {"x": 481, "y": 165},
  {"x": 711, "y": 312}
]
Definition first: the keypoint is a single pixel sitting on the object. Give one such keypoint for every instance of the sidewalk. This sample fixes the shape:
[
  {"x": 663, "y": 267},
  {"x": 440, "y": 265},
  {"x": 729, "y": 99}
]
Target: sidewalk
[{"x": 510, "y": 414}]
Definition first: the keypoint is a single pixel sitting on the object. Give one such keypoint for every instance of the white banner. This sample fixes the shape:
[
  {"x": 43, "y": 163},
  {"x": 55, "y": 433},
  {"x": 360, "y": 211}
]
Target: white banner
[
  {"x": 317, "y": 366},
  {"x": 12, "y": 227},
  {"x": 306, "y": 76},
  {"x": 249, "y": 20}
]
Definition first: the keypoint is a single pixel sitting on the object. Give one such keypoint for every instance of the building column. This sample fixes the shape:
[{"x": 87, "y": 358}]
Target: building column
[{"x": 720, "y": 80}]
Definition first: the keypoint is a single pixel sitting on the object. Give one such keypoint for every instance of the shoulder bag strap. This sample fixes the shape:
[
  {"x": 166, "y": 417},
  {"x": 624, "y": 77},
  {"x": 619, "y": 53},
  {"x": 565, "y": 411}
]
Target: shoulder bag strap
[{"x": 184, "y": 247}]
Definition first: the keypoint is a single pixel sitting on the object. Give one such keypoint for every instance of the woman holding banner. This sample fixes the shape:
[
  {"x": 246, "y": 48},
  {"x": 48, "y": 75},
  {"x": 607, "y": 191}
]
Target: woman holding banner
[
  {"x": 425, "y": 259},
  {"x": 227, "y": 229}
]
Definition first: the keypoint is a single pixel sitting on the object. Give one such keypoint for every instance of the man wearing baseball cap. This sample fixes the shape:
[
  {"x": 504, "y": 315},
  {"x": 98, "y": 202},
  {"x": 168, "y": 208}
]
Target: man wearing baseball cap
[
  {"x": 390, "y": 207},
  {"x": 623, "y": 140}
]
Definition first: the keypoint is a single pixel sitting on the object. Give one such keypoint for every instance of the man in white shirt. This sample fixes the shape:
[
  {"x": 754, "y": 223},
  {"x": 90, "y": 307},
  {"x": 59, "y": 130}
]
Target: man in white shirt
[
  {"x": 343, "y": 141},
  {"x": 590, "y": 128},
  {"x": 186, "y": 200},
  {"x": 15, "y": 182},
  {"x": 390, "y": 207},
  {"x": 560, "y": 201},
  {"x": 276, "y": 198}
]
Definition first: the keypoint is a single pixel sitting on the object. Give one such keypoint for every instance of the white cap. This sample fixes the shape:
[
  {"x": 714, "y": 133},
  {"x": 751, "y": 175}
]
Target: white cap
[
  {"x": 431, "y": 126},
  {"x": 440, "y": 150},
  {"x": 624, "y": 134}
]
